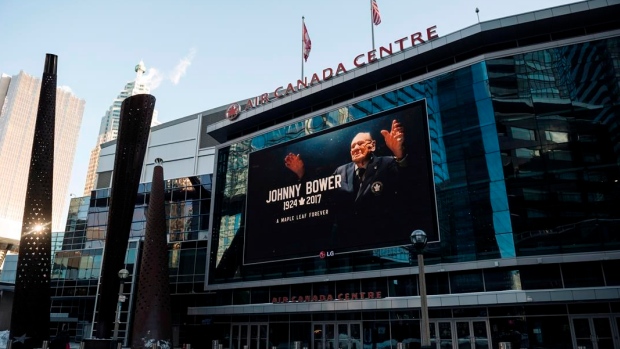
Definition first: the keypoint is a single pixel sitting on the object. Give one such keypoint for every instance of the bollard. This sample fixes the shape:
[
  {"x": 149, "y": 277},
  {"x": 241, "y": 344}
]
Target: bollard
[
  {"x": 297, "y": 345},
  {"x": 399, "y": 345},
  {"x": 220, "y": 346},
  {"x": 187, "y": 346},
  {"x": 44, "y": 345},
  {"x": 119, "y": 345},
  {"x": 245, "y": 347},
  {"x": 505, "y": 345},
  {"x": 81, "y": 345},
  {"x": 214, "y": 344}
]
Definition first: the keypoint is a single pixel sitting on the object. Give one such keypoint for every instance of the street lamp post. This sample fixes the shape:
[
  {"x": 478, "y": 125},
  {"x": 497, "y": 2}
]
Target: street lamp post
[
  {"x": 122, "y": 274},
  {"x": 419, "y": 240}
]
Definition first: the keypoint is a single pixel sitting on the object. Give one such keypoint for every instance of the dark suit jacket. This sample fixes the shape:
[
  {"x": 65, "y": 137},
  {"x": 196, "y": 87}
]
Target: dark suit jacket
[{"x": 363, "y": 213}]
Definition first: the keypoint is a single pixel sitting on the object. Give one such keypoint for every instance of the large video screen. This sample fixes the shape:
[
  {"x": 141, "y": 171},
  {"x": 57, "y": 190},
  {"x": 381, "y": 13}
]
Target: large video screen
[{"x": 360, "y": 186}]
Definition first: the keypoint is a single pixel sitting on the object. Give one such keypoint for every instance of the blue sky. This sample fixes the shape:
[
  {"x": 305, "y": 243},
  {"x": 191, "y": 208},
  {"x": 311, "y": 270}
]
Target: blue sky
[{"x": 231, "y": 50}]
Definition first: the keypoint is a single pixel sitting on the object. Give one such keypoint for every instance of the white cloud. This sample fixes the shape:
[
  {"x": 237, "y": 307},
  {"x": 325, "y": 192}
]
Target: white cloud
[
  {"x": 181, "y": 68},
  {"x": 65, "y": 88},
  {"x": 154, "y": 78}
]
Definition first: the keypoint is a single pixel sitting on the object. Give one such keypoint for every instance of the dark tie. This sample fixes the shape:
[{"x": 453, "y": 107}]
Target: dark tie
[{"x": 359, "y": 176}]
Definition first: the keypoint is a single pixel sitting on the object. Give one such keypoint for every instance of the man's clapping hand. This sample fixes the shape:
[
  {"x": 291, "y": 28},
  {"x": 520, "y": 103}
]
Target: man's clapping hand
[{"x": 294, "y": 163}]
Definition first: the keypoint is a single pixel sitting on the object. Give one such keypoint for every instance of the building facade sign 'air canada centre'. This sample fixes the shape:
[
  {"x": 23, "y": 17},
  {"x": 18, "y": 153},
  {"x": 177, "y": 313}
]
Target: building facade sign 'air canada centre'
[{"x": 359, "y": 61}]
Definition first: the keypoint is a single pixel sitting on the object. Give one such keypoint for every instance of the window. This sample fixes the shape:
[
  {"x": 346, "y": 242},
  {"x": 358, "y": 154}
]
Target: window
[
  {"x": 583, "y": 274},
  {"x": 523, "y": 133},
  {"x": 596, "y": 197},
  {"x": 561, "y": 155},
  {"x": 534, "y": 194},
  {"x": 556, "y": 137},
  {"x": 403, "y": 286},
  {"x": 569, "y": 197},
  {"x": 502, "y": 279},
  {"x": 534, "y": 213},
  {"x": 541, "y": 277},
  {"x": 526, "y": 153},
  {"x": 465, "y": 282}
]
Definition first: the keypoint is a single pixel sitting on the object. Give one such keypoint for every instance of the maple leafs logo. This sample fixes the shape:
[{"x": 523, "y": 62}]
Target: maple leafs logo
[
  {"x": 376, "y": 188},
  {"x": 302, "y": 201}
]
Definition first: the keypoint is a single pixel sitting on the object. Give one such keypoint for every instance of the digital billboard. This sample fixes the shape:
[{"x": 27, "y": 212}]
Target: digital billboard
[{"x": 360, "y": 186}]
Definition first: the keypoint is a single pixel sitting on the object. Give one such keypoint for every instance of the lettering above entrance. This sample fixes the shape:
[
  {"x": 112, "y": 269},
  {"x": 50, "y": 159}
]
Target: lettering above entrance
[{"x": 329, "y": 297}]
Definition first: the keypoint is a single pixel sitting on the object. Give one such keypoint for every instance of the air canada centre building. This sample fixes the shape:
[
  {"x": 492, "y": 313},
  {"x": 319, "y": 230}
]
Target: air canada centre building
[{"x": 511, "y": 161}]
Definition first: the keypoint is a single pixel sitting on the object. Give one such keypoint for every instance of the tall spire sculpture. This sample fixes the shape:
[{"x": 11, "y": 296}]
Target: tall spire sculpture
[
  {"x": 30, "y": 315},
  {"x": 133, "y": 133},
  {"x": 152, "y": 319}
]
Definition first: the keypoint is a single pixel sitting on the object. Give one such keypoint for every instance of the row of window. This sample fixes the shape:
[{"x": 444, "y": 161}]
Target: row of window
[
  {"x": 187, "y": 261},
  {"x": 434, "y": 313},
  {"x": 545, "y": 276}
]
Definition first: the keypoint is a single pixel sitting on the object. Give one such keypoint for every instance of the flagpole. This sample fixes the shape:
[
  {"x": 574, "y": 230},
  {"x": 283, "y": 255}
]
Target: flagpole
[
  {"x": 302, "y": 48},
  {"x": 372, "y": 27}
]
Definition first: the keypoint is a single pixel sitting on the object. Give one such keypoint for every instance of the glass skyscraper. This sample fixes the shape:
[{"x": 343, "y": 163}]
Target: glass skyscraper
[
  {"x": 108, "y": 130},
  {"x": 17, "y": 120}
]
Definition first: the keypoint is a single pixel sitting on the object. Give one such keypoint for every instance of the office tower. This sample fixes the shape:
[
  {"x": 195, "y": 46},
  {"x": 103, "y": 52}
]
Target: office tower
[
  {"x": 17, "y": 119},
  {"x": 5, "y": 80},
  {"x": 109, "y": 122}
]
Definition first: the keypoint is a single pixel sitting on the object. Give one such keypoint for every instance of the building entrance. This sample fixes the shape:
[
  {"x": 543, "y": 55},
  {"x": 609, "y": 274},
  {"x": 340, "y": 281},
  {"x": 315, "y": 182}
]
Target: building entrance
[
  {"x": 460, "y": 334},
  {"x": 249, "y": 336},
  {"x": 596, "y": 332},
  {"x": 336, "y": 335}
]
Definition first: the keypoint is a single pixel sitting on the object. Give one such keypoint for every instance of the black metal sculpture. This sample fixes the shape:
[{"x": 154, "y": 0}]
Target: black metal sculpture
[
  {"x": 133, "y": 133},
  {"x": 30, "y": 316},
  {"x": 152, "y": 318}
]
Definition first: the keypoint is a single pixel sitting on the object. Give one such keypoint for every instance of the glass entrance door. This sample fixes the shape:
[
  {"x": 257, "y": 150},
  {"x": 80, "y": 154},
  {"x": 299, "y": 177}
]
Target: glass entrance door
[
  {"x": 442, "y": 334},
  {"x": 461, "y": 334},
  {"x": 595, "y": 332},
  {"x": 249, "y": 336},
  {"x": 337, "y": 335},
  {"x": 472, "y": 334}
]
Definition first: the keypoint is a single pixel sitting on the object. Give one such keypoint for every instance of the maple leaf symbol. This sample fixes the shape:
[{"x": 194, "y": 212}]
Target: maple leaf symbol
[
  {"x": 21, "y": 339},
  {"x": 301, "y": 201}
]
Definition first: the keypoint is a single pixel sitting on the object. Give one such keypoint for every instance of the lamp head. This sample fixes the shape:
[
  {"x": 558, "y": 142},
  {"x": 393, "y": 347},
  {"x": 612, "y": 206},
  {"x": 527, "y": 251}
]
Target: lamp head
[
  {"x": 123, "y": 273},
  {"x": 419, "y": 239}
]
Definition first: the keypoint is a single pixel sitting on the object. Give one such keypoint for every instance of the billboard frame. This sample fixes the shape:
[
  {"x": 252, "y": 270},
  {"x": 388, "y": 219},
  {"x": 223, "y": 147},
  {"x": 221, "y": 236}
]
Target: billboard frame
[{"x": 336, "y": 128}]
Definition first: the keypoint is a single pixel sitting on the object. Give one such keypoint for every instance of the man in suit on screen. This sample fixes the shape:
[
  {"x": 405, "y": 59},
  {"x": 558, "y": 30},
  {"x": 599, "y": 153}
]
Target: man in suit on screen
[{"x": 373, "y": 192}]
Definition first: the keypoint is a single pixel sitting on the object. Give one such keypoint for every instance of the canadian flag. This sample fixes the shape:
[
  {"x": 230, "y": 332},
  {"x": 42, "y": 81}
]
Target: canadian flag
[{"x": 307, "y": 43}]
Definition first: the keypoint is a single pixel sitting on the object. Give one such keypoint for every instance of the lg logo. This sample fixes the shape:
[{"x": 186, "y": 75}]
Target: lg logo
[{"x": 325, "y": 254}]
